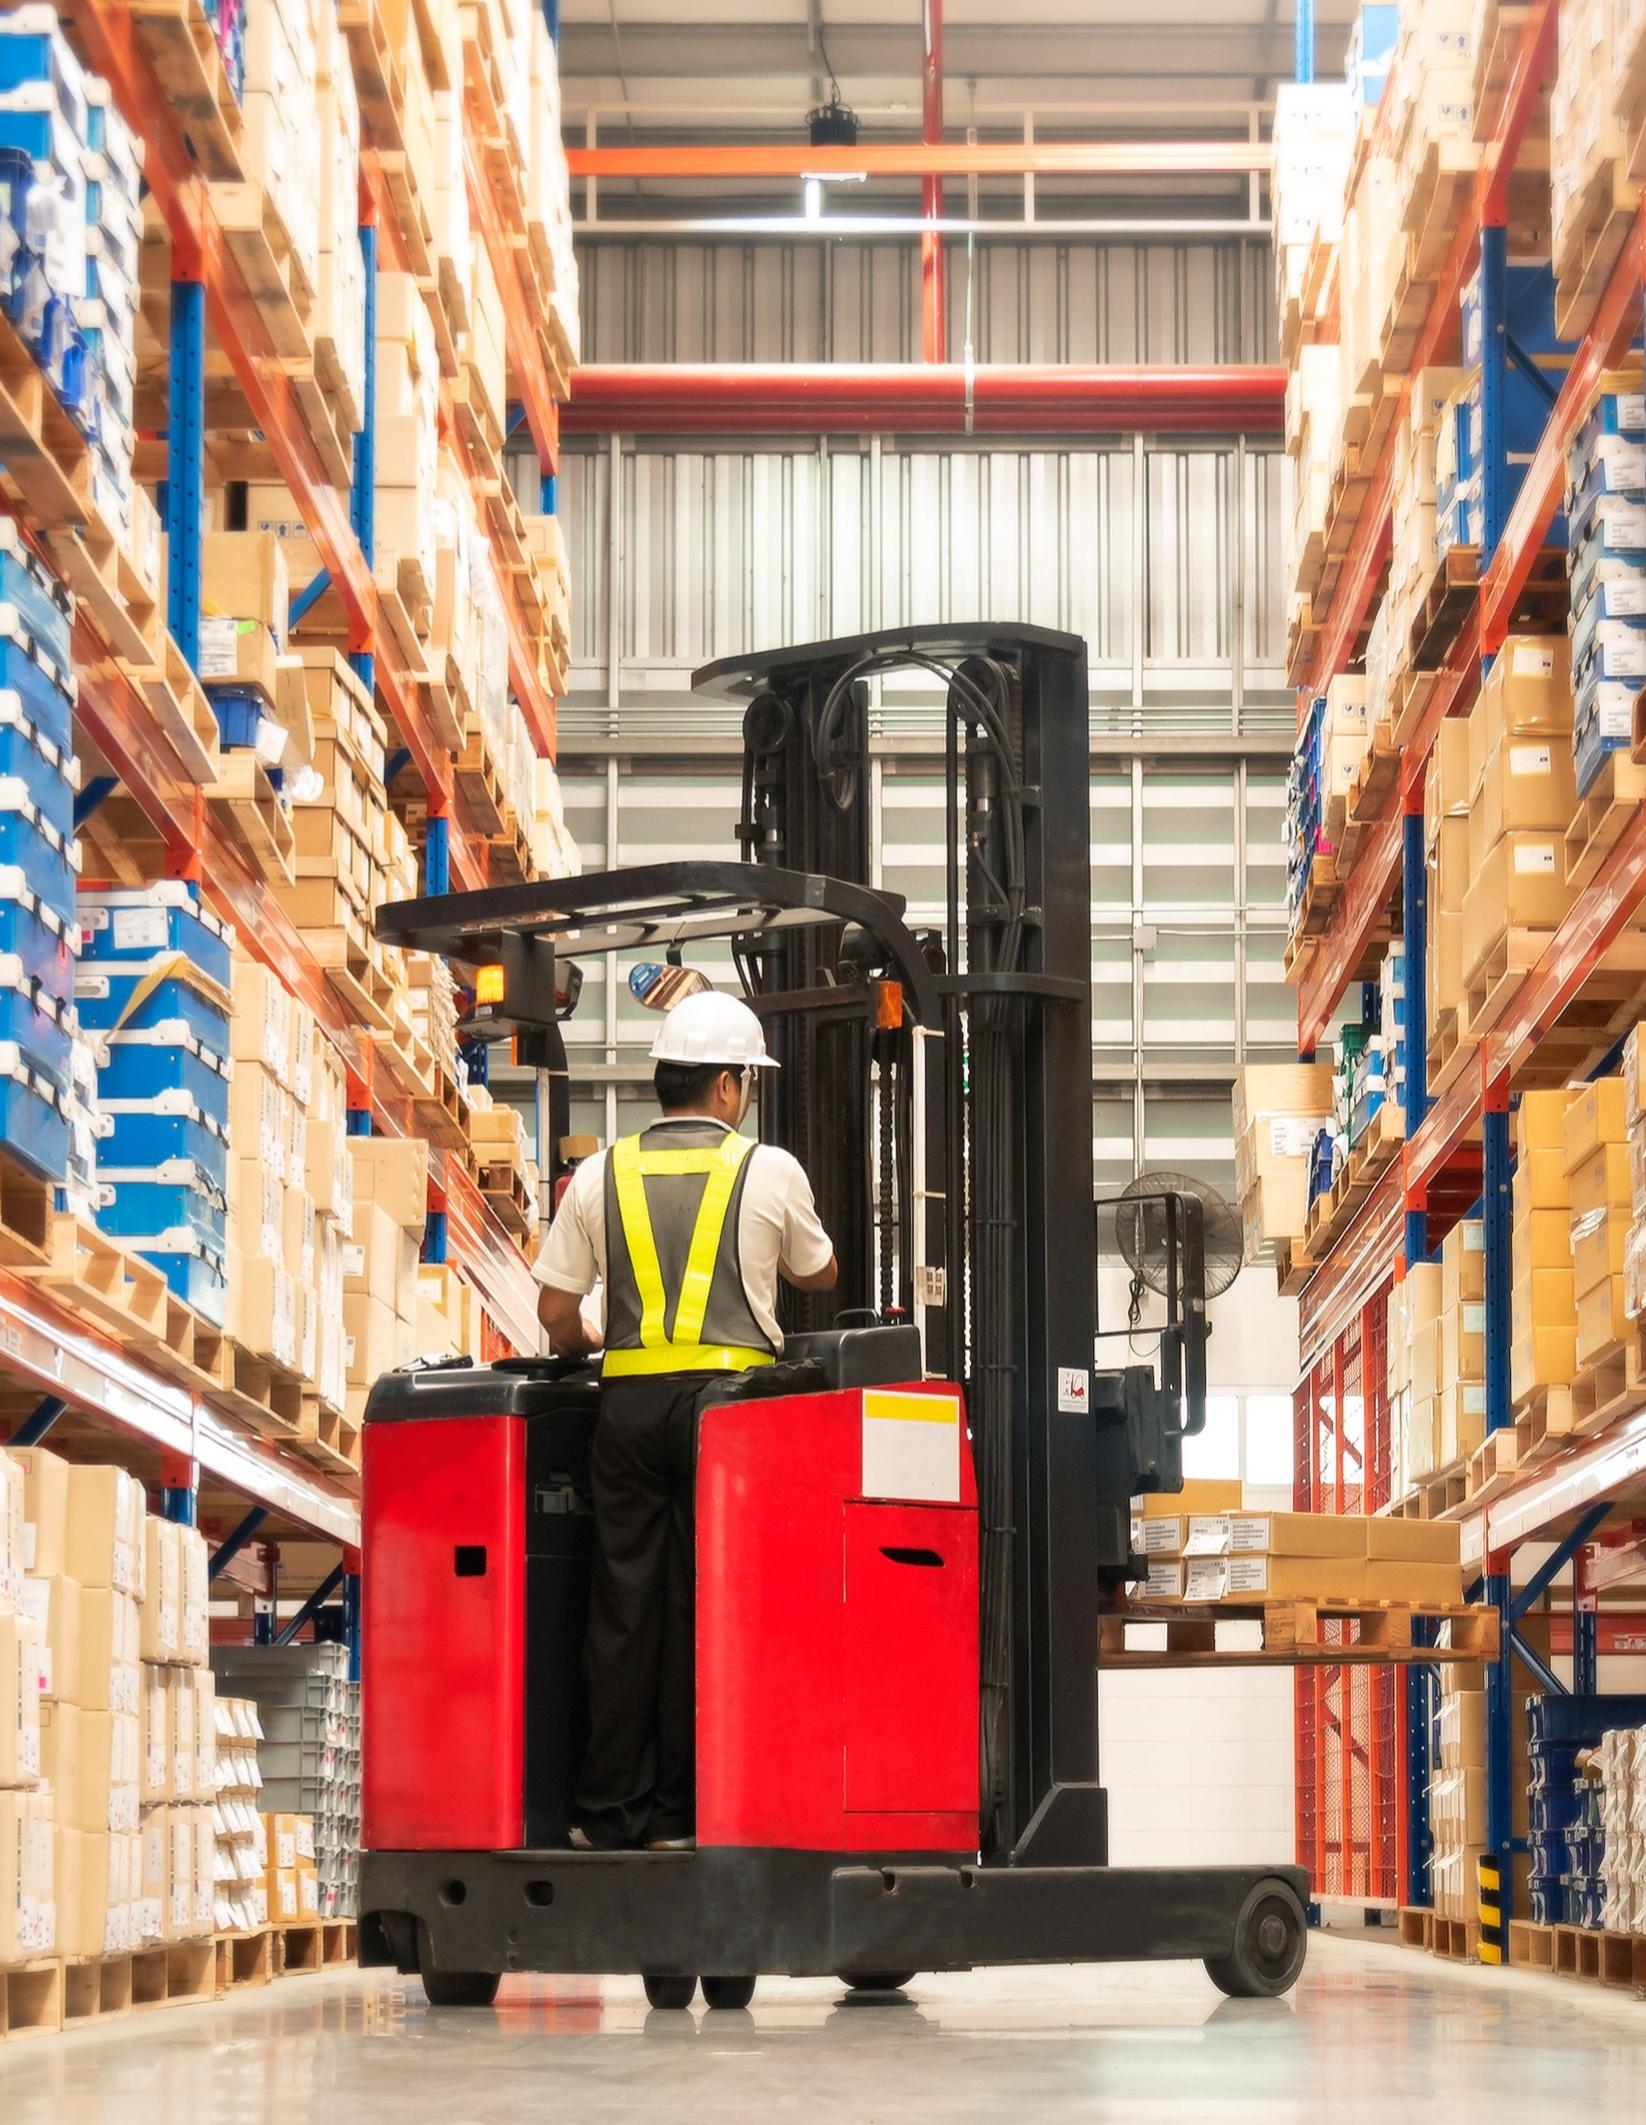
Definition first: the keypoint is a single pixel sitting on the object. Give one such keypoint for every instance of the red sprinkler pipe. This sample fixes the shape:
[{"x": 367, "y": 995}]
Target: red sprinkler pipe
[
  {"x": 917, "y": 399},
  {"x": 933, "y": 293}
]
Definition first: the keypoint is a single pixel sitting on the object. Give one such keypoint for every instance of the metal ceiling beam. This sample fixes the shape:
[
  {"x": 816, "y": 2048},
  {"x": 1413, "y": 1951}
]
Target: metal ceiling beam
[
  {"x": 747, "y": 398},
  {"x": 951, "y": 158}
]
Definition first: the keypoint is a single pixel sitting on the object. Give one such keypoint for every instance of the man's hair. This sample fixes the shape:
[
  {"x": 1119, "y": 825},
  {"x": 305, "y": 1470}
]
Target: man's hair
[{"x": 685, "y": 1084}]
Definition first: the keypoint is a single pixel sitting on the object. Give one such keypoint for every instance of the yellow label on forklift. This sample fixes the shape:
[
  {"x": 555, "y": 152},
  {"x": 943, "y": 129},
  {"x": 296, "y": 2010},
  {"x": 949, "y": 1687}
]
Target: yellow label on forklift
[{"x": 911, "y": 1446}]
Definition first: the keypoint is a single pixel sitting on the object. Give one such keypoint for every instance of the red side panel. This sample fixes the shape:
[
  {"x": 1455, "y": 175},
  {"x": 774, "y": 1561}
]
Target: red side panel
[
  {"x": 910, "y": 1666},
  {"x": 443, "y": 1640},
  {"x": 837, "y": 1694}
]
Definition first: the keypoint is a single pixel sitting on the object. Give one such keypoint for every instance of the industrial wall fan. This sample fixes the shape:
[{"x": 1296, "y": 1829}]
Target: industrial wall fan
[{"x": 1143, "y": 1235}]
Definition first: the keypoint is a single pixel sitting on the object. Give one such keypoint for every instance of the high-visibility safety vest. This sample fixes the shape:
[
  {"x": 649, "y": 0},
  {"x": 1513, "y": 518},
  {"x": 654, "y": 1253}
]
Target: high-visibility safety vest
[{"x": 674, "y": 1290}]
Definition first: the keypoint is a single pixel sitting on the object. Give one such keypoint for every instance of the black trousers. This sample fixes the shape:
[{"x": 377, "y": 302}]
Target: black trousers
[{"x": 639, "y": 1776}]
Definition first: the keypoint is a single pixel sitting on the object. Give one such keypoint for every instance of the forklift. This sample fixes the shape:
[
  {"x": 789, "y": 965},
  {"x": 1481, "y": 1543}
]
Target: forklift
[{"x": 908, "y": 1530}]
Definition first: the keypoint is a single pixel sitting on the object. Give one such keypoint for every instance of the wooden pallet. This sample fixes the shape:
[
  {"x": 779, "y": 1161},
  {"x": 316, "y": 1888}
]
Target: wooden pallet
[
  {"x": 96, "y": 1988},
  {"x": 244, "y": 1960},
  {"x": 1434, "y": 1495},
  {"x": 378, "y": 79},
  {"x": 180, "y": 1974},
  {"x": 328, "y": 1436},
  {"x": 251, "y": 813},
  {"x": 352, "y": 961},
  {"x": 1445, "y": 605},
  {"x": 1598, "y": 225},
  {"x": 321, "y": 1944},
  {"x": 46, "y": 459},
  {"x": 1294, "y": 1265},
  {"x": 1455, "y": 1940},
  {"x": 1499, "y": 30},
  {"x": 436, "y": 1100},
  {"x": 1293, "y": 1634},
  {"x": 1451, "y": 1042},
  {"x": 182, "y": 48},
  {"x": 263, "y": 1394},
  {"x": 1599, "y": 1958},
  {"x": 1544, "y": 1420},
  {"x": 1493, "y": 1465},
  {"x": 1613, "y": 798},
  {"x": 31, "y": 2000},
  {"x": 255, "y": 236},
  {"x": 1609, "y": 1385},
  {"x": 504, "y": 1187},
  {"x": 1436, "y": 200},
  {"x": 27, "y": 1218},
  {"x": 478, "y": 782}
]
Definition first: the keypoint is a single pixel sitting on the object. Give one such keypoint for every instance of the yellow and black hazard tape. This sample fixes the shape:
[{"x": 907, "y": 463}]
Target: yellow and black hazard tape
[{"x": 1489, "y": 1908}]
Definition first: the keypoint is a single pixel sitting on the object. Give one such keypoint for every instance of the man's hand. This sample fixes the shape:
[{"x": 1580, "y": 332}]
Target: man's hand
[
  {"x": 824, "y": 1279},
  {"x": 561, "y": 1313}
]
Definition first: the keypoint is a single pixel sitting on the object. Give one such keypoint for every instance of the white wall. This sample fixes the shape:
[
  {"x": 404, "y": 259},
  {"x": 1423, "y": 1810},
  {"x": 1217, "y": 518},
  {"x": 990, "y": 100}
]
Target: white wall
[{"x": 1198, "y": 1761}]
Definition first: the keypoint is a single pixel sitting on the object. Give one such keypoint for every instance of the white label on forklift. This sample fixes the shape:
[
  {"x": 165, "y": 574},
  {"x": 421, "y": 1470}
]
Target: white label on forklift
[
  {"x": 1531, "y": 759},
  {"x": 1074, "y": 1389},
  {"x": 930, "y": 1285},
  {"x": 911, "y": 1446},
  {"x": 1535, "y": 857}
]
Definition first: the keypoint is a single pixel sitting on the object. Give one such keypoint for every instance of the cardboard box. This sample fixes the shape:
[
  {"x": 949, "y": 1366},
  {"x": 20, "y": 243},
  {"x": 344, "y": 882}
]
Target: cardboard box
[
  {"x": 161, "y": 1613},
  {"x": 1542, "y": 1298},
  {"x": 1390, "y": 1541},
  {"x": 45, "y": 1509},
  {"x": 1460, "y": 1421},
  {"x": 1462, "y": 1264},
  {"x": 1540, "y": 1182},
  {"x": 180, "y": 1707},
  {"x": 371, "y": 1260},
  {"x": 1601, "y": 1319},
  {"x": 1463, "y": 1343},
  {"x": 194, "y": 1643},
  {"x": 54, "y": 1603},
  {"x": 281, "y": 1884},
  {"x": 1164, "y": 1581},
  {"x": 1598, "y": 1239},
  {"x": 1541, "y": 1240},
  {"x": 1520, "y": 884},
  {"x": 1595, "y": 1115},
  {"x": 1297, "y": 1534},
  {"x": 1462, "y": 1724},
  {"x": 1400, "y": 1579},
  {"x": 19, "y": 1701},
  {"x": 1262, "y": 1575},
  {"x": 59, "y": 1748},
  {"x": 1542, "y": 1357},
  {"x": 155, "y": 1763},
  {"x": 1163, "y": 1516},
  {"x": 1528, "y": 689},
  {"x": 28, "y": 1927},
  {"x": 1602, "y": 1182},
  {"x": 1540, "y": 1123},
  {"x": 110, "y": 1639},
  {"x": 1526, "y": 784},
  {"x": 392, "y": 1174},
  {"x": 243, "y": 575},
  {"x": 82, "y": 1871},
  {"x": 103, "y": 1794},
  {"x": 372, "y": 1338},
  {"x": 104, "y": 1542}
]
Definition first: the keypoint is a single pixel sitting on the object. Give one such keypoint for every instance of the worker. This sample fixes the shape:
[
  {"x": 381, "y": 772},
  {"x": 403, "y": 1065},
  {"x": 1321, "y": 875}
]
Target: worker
[{"x": 688, "y": 1226}]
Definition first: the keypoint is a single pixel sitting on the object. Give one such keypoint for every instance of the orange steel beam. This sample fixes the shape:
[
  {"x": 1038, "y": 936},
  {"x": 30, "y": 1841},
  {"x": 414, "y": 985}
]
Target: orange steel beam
[
  {"x": 932, "y": 290},
  {"x": 982, "y": 158}
]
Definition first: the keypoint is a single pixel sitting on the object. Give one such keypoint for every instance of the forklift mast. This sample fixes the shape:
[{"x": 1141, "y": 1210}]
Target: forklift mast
[{"x": 937, "y": 1087}]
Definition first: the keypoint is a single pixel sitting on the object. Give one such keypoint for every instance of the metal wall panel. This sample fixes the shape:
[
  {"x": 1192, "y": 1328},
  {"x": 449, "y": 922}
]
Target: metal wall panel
[{"x": 657, "y": 300}]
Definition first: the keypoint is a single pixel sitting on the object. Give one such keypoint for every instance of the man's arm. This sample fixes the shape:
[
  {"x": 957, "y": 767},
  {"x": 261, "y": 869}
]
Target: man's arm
[
  {"x": 561, "y": 1313},
  {"x": 824, "y": 1279}
]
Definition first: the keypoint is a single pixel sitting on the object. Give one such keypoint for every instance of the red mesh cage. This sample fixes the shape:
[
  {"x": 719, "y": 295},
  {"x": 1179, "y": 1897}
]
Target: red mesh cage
[{"x": 1349, "y": 1743}]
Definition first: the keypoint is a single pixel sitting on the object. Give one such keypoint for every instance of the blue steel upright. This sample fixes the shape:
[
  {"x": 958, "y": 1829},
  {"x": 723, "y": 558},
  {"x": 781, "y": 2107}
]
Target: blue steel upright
[
  {"x": 1494, "y": 384},
  {"x": 363, "y": 481},
  {"x": 185, "y": 465},
  {"x": 1495, "y": 1215},
  {"x": 1303, "y": 42}
]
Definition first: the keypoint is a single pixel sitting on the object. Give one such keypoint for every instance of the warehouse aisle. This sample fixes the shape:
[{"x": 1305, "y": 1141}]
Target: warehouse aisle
[{"x": 1373, "y": 2032}]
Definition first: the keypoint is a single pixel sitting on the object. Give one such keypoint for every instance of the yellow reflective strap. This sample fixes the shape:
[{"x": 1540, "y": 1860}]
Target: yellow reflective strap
[
  {"x": 705, "y": 1246},
  {"x": 682, "y": 1357},
  {"x": 636, "y": 1220}
]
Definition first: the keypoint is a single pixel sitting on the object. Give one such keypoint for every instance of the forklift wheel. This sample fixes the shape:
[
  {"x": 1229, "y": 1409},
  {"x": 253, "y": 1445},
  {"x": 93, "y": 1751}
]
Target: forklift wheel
[
  {"x": 671, "y": 1991},
  {"x": 728, "y": 1991},
  {"x": 460, "y": 1988},
  {"x": 879, "y": 1981},
  {"x": 1271, "y": 1938}
]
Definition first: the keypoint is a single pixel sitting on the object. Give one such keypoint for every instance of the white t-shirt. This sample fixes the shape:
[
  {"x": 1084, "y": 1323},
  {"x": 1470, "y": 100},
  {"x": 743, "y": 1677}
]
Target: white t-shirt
[{"x": 777, "y": 1222}]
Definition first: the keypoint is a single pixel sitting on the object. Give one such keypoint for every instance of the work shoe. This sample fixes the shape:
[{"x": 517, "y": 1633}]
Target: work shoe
[{"x": 671, "y": 1844}]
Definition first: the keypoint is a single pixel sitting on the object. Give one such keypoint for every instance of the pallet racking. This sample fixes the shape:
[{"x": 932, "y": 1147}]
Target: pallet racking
[{"x": 1456, "y": 1147}]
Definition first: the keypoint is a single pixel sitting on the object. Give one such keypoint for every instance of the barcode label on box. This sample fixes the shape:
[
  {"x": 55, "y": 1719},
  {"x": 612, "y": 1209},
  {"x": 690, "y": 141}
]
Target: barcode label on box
[
  {"x": 1249, "y": 1574},
  {"x": 1535, "y": 858},
  {"x": 1530, "y": 660},
  {"x": 139, "y": 929},
  {"x": 219, "y": 648},
  {"x": 1531, "y": 760},
  {"x": 1293, "y": 1135},
  {"x": 1207, "y": 1579}
]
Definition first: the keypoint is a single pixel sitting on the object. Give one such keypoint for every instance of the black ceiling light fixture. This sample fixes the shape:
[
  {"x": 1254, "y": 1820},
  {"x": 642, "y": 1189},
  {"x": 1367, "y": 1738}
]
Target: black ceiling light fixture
[{"x": 832, "y": 124}]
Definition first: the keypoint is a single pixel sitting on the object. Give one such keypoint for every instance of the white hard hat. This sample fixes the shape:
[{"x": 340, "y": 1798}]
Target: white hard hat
[{"x": 711, "y": 1028}]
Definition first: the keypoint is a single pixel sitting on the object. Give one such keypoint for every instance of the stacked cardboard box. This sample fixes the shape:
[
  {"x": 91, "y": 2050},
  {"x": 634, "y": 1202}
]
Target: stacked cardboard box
[
  {"x": 1521, "y": 803},
  {"x": 380, "y": 1262},
  {"x": 1446, "y": 797},
  {"x": 1595, "y": 1161},
  {"x": 408, "y": 449},
  {"x": 339, "y": 316},
  {"x": 1412, "y": 550},
  {"x": 1457, "y": 1786},
  {"x": 27, "y": 1891},
  {"x": 281, "y": 112},
  {"x": 1589, "y": 143},
  {"x": 1606, "y": 518},
  {"x": 291, "y": 1887},
  {"x": 1163, "y": 1525},
  {"x": 1314, "y": 424},
  {"x": 1313, "y": 136},
  {"x": 1430, "y": 109},
  {"x": 548, "y": 192},
  {"x": 1279, "y": 1109},
  {"x": 271, "y": 1213},
  {"x": 1460, "y": 1415},
  {"x": 1413, "y": 1357},
  {"x": 241, "y": 1838},
  {"x": 341, "y": 831},
  {"x": 179, "y": 1737},
  {"x": 554, "y": 853},
  {"x": 1542, "y": 1302},
  {"x": 1227, "y": 1555}
]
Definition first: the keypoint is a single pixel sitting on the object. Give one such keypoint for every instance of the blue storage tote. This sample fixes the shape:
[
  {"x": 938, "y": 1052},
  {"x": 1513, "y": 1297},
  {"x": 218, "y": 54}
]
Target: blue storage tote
[
  {"x": 109, "y": 1000},
  {"x": 36, "y": 613},
  {"x": 140, "y": 922},
  {"x": 144, "y": 1063},
  {"x": 172, "y": 1199},
  {"x": 38, "y": 939},
  {"x": 37, "y": 1023},
  {"x": 193, "y": 1273},
  {"x": 152, "y": 1132},
  {"x": 34, "y": 772},
  {"x": 33, "y": 1126}
]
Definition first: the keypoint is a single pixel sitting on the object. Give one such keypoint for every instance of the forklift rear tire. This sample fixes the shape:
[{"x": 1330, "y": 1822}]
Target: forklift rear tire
[
  {"x": 728, "y": 1991},
  {"x": 1270, "y": 1941},
  {"x": 671, "y": 1991},
  {"x": 460, "y": 1988},
  {"x": 879, "y": 1981}
]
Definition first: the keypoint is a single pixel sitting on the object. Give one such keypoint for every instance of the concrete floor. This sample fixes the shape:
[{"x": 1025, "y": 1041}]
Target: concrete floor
[{"x": 1373, "y": 2032}]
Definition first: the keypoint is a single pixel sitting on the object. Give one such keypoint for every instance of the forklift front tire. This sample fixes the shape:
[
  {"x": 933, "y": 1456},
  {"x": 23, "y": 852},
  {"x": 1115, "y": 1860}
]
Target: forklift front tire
[
  {"x": 1270, "y": 1940},
  {"x": 460, "y": 1988},
  {"x": 728, "y": 1991},
  {"x": 674, "y": 1991}
]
